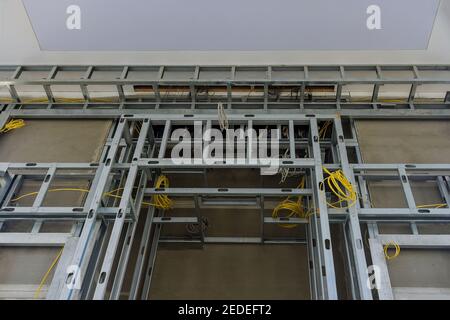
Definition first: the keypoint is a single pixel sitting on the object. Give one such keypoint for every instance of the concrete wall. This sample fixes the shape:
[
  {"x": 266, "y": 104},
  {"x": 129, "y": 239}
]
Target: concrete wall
[{"x": 18, "y": 45}]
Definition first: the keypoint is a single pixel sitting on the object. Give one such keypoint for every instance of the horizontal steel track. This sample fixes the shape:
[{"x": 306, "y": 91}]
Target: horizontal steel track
[
  {"x": 162, "y": 88},
  {"x": 134, "y": 160}
]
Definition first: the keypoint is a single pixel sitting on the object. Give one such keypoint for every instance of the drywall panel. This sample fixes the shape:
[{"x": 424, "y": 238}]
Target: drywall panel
[
  {"x": 232, "y": 272},
  {"x": 16, "y": 267},
  {"x": 55, "y": 141},
  {"x": 404, "y": 141},
  {"x": 398, "y": 141},
  {"x": 23, "y": 269},
  {"x": 420, "y": 268}
]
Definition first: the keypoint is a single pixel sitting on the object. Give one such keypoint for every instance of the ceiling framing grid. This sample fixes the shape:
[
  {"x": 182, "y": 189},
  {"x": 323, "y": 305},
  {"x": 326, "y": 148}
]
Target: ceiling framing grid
[{"x": 94, "y": 260}]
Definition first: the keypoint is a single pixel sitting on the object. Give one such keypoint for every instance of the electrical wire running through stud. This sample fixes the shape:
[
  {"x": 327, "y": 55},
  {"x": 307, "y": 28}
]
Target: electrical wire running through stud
[
  {"x": 341, "y": 187},
  {"x": 293, "y": 208},
  {"x": 160, "y": 201}
]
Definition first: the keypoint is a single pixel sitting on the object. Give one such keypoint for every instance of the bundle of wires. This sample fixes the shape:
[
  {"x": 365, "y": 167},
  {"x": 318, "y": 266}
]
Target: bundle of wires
[
  {"x": 341, "y": 187},
  {"x": 12, "y": 125},
  {"x": 161, "y": 201},
  {"x": 286, "y": 172},
  {"x": 293, "y": 208},
  {"x": 223, "y": 119},
  {"x": 324, "y": 129}
]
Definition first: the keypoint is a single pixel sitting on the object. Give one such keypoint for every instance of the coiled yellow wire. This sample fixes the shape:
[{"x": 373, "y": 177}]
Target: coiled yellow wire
[
  {"x": 396, "y": 253},
  {"x": 12, "y": 125},
  {"x": 162, "y": 201},
  {"x": 341, "y": 187},
  {"x": 294, "y": 208}
]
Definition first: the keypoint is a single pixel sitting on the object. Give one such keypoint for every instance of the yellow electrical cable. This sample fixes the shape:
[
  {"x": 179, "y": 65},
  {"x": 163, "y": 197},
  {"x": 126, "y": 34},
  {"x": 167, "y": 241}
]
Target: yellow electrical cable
[
  {"x": 62, "y": 100},
  {"x": 294, "y": 208},
  {"x": 50, "y": 190},
  {"x": 116, "y": 99},
  {"x": 341, "y": 187},
  {"x": 396, "y": 253},
  {"x": 398, "y": 100},
  {"x": 44, "y": 278},
  {"x": 36, "y": 100},
  {"x": 435, "y": 206},
  {"x": 160, "y": 201},
  {"x": 338, "y": 176},
  {"x": 12, "y": 125},
  {"x": 323, "y": 130}
]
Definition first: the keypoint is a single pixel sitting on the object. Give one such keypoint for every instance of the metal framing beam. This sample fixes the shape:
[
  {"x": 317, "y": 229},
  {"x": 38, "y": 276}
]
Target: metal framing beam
[
  {"x": 200, "y": 87},
  {"x": 265, "y": 104}
]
